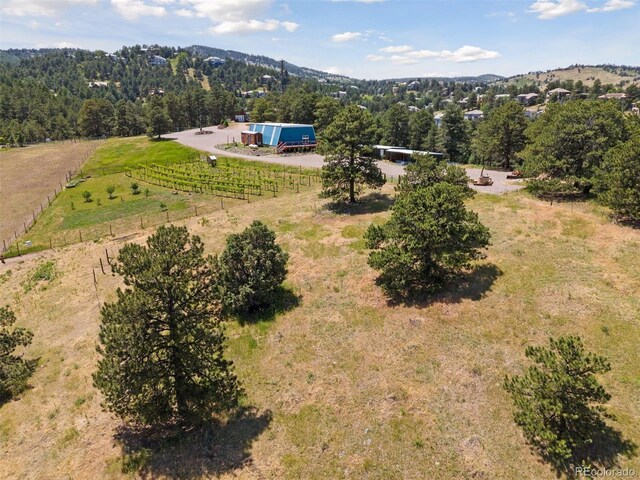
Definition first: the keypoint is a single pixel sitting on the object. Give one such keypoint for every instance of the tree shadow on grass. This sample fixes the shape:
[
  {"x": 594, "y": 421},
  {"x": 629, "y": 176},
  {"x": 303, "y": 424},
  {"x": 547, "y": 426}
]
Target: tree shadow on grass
[
  {"x": 208, "y": 450},
  {"x": 282, "y": 300},
  {"x": 471, "y": 285},
  {"x": 374, "y": 202},
  {"x": 604, "y": 453}
]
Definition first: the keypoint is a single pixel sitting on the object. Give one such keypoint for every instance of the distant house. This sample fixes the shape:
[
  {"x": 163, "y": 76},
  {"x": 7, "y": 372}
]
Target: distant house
[
  {"x": 560, "y": 93},
  {"x": 527, "y": 99},
  {"x": 214, "y": 61},
  {"x": 98, "y": 84},
  {"x": 362, "y": 107},
  {"x": 241, "y": 117},
  {"x": 502, "y": 97},
  {"x": 286, "y": 136},
  {"x": 266, "y": 79},
  {"x": 413, "y": 108},
  {"x": 473, "y": 115},
  {"x": 341, "y": 94},
  {"x": 157, "y": 60},
  {"x": 534, "y": 112},
  {"x": 613, "y": 96},
  {"x": 438, "y": 119},
  {"x": 157, "y": 91},
  {"x": 415, "y": 85}
]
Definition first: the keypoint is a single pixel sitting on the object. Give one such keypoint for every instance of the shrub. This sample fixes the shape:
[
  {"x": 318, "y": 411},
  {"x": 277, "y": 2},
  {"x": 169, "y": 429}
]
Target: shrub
[
  {"x": 87, "y": 196},
  {"x": 251, "y": 268},
  {"x": 135, "y": 188},
  {"x": 110, "y": 190},
  {"x": 14, "y": 370}
]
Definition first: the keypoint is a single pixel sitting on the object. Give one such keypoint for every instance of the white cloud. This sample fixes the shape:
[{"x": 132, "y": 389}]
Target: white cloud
[
  {"x": 467, "y": 53},
  {"x": 66, "y": 45},
  {"x": 548, "y": 9},
  {"x": 612, "y": 5},
  {"x": 397, "y": 49},
  {"x": 221, "y": 11},
  {"x": 184, "y": 12},
  {"x": 251, "y": 26},
  {"x": 402, "y": 60},
  {"x": 134, "y": 9},
  {"x": 33, "y": 25},
  {"x": 374, "y": 58},
  {"x": 334, "y": 70},
  {"x": 359, "y": 1},
  {"x": 45, "y": 8},
  {"x": 346, "y": 36}
]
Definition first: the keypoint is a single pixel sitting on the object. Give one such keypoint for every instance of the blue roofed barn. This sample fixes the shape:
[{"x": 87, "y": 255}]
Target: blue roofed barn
[{"x": 286, "y": 136}]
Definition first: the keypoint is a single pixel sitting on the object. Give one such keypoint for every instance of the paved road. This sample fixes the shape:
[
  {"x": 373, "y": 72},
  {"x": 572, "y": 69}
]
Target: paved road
[{"x": 208, "y": 143}]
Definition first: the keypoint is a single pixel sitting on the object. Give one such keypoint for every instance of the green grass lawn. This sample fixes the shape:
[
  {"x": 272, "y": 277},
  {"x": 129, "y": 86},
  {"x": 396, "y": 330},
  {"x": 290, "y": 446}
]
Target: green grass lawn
[{"x": 119, "y": 154}]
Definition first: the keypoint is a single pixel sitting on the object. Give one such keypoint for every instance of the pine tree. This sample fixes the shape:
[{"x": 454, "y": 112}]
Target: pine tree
[
  {"x": 559, "y": 400},
  {"x": 430, "y": 238},
  {"x": 158, "y": 121},
  {"x": 349, "y": 166},
  {"x": 500, "y": 137},
  {"x": 454, "y": 135},
  {"x": 252, "y": 267},
  {"x": 14, "y": 370},
  {"x": 426, "y": 170},
  {"x": 162, "y": 341}
]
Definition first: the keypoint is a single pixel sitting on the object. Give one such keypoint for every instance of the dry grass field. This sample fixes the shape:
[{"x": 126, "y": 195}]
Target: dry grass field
[
  {"x": 585, "y": 74},
  {"x": 29, "y": 174},
  {"x": 344, "y": 385}
]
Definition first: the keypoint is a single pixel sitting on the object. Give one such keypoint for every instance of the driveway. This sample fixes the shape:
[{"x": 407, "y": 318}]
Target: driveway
[{"x": 208, "y": 143}]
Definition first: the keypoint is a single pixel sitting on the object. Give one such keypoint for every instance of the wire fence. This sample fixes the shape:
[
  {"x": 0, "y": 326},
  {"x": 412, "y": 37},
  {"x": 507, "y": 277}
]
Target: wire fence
[{"x": 30, "y": 219}]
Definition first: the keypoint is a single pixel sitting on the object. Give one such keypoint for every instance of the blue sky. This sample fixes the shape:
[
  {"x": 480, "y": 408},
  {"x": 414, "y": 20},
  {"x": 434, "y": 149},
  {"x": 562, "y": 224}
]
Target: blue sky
[{"x": 359, "y": 38}]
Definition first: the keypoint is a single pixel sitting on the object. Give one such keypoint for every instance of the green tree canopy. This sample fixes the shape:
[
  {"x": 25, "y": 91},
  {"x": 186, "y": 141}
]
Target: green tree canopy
[
  {"x": 14, "y": 370},
  {"x": 96, "y": 117},
  {"x": 396, "y": 125},
  {"x": 158, "y": 120},
  {"x": 162, "y": 341},
  {"x": 500, "y": 137},
  {"x": 571, "y": 138},
  {"x": 559, "y": 400},
  {"x": 251, "y": 269},
  {"x": 430, "y": 237},
  {"x": 427, "y": 170},
  {"x": 454, "y": 135},
  {"x": 618, "y": 181},
  {"x": 347, "y": 146},
  {"x": 421, "y": 124}
]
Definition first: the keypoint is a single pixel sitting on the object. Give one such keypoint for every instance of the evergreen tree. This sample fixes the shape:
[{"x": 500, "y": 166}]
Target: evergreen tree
[
  {"x": 421, "y": 124},
  {"x": 571, "y": 138},
  {"x": 158, "y": 121},
  {"x": 14, "y": 370},
  {"x": 96, "y": 117},
  {"x": 252, "y": 267},
  {"x": 430, "y": 238},
  {"x": 454, "y": 135},
  {"x": 162, "y": 341},
  {"x": 346, "y": 144},
  {"x": 500, "y": 137},
  {"x": 618, "y": 180},
  {"x": 559, "y": 400},
  {"x": 427, "y": 170},
  {"x": 326, "y": 110},
  {"x": 396, "y": 126}
]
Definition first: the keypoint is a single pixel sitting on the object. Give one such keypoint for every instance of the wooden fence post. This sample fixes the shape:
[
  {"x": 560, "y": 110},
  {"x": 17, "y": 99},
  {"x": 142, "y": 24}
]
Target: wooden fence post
[{"x": 102, "y": 266}]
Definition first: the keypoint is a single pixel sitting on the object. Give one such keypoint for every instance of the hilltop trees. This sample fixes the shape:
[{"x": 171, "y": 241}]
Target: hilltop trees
[
  {"x": 501, "y": 136},
  {"x": 162, "y": 341},
  {"x": 14, "y": 370},
  {"x": 430, "y": 238},
  {"x": 251, "y": 269},
  {"x": 559, "y": 401},
  {"x": 346, "y": 144}
]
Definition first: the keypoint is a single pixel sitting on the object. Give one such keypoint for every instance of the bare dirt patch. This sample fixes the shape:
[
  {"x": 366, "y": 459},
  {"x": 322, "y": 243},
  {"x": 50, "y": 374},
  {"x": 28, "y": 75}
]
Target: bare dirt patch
[{"x": 29, "y": 174}]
